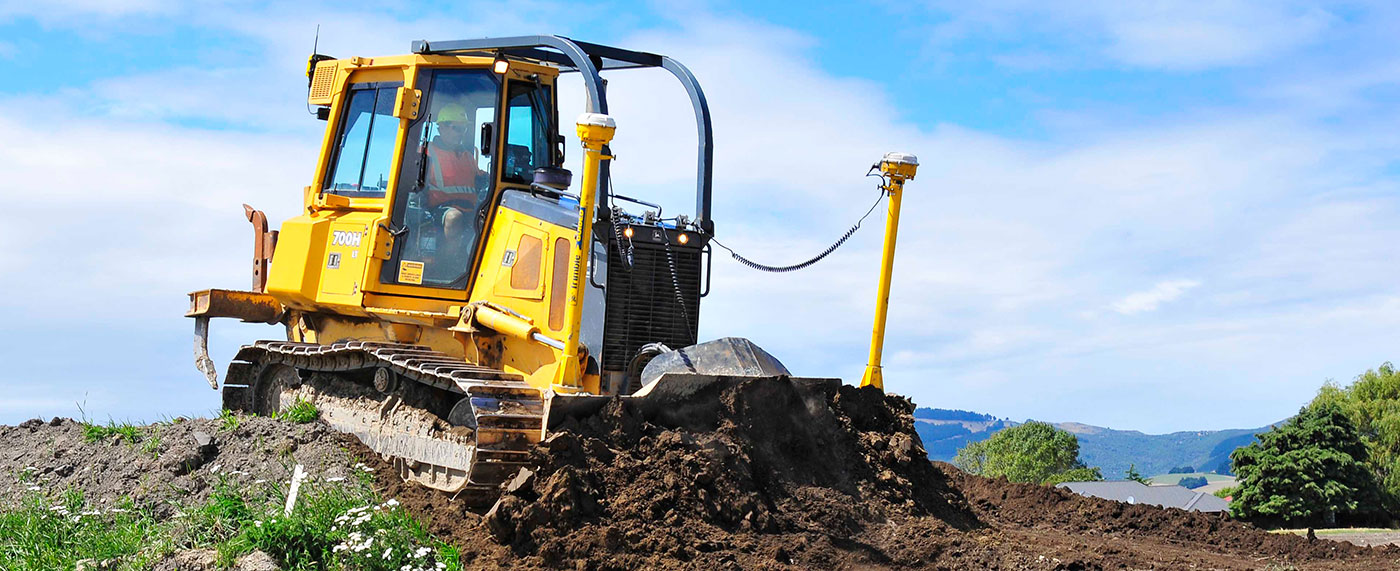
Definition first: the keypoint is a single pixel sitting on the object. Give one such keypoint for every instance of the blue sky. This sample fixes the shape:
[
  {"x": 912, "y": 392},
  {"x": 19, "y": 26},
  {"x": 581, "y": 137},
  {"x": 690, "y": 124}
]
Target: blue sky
[{"x": 1156, "y": 216}]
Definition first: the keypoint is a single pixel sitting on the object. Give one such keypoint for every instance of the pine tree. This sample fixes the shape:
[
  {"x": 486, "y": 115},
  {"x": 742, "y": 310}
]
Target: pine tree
[{"x": 1307, "y": 471}]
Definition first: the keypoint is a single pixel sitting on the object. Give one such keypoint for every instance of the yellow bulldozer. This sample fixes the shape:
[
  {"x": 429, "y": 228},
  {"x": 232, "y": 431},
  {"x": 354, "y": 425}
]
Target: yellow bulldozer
[{"x": 447, "y": 298}]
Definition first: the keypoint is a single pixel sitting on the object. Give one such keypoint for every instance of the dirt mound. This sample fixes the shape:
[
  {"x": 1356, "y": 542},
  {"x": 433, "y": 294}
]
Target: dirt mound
[
  {"x": 1006, "y": 505},
  {"x": 774, "y": 459},
  {"x": 776, "y": 474},
  {"x": 770, "y": 474},
  {"x": 156, "y": 464}
]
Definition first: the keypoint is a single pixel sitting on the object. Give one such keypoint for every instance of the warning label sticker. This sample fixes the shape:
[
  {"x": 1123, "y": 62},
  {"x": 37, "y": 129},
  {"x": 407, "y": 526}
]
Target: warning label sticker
[{"x": 411, "y": 272}]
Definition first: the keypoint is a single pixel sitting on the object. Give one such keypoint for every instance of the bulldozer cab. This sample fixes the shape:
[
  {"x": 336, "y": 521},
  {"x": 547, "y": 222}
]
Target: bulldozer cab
[{"x": 431, "y": 144}]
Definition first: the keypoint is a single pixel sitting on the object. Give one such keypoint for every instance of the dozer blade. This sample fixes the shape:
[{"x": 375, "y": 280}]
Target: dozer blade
[{"x": 684, "y": 386}]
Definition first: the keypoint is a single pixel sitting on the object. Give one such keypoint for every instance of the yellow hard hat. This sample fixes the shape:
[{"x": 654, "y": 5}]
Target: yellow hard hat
[{"x": 451, "y": 112}]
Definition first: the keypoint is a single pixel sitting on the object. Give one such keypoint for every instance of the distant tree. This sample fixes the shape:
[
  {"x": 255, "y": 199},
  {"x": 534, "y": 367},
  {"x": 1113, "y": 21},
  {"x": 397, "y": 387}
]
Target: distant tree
[
  {"x": 1075, "y": 475},
  {"x": 1223, "y": 493},
  {"x": 1306, "y": 471},
  {"x": 1224, "y": 468},
  {"x": 951, "y": 414},
  {"x": 1192, "y": 482},
  {"x": 1372, "y": 404},
  {"x": 1182, "y": 470},
  {"x": 1033, "y": 452},
  {"x": 1132, "y": 474}
]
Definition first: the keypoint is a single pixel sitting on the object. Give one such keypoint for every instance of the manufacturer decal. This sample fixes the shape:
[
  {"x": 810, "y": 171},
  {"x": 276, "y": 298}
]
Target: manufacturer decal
[
  {"x": 333, "y": 260},
  {"x": 411, "y": 272},
  {"x": 346, "y": 238}
]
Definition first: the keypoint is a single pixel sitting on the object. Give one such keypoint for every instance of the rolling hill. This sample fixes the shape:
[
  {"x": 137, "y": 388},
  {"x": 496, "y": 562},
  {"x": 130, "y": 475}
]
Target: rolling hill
[{"x": 945, "y": 431}]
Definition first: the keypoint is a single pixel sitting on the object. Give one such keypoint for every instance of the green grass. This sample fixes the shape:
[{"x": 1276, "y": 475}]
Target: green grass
[
  {"x": 301, "y": 412},
  {"x": 338, "y": 525},
  {"x": 1172, "y": 479},
  {"x": 229, "y": 420},
  {"x": 129, "y": 433},
  {"x": 151, "y": 444},
  {"x": 54, "y": 532}
]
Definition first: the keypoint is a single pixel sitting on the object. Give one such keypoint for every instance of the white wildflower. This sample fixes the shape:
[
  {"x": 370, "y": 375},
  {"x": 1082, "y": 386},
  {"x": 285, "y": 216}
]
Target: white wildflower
[
  {"x": 214, "y": 469},
  {"x": 422, "y": 552},
  {"x": 391, "y": 502},
  {"x": 34, "y": 488},
  {"x": 387, "y": 552},
  {"x": 335, "y": 479},
  {"x": 259, "y": 481},
  {"x": 257, "y": 523}
]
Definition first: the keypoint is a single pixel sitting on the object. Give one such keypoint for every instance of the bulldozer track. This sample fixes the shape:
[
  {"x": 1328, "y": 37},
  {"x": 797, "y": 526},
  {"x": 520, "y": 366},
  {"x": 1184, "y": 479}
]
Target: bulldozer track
[{"x": 506, "y": 415}]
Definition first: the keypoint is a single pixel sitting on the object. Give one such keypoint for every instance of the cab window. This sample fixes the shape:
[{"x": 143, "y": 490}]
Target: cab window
[
  {"x": 527, "y": 140},
  {"x": 364, "y": 150}
]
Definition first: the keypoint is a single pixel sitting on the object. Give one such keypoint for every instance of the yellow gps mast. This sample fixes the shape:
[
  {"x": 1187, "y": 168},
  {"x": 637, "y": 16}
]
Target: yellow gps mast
[
  {"x": 895, "y": 168},
  {"x": 595, "y": 130}
]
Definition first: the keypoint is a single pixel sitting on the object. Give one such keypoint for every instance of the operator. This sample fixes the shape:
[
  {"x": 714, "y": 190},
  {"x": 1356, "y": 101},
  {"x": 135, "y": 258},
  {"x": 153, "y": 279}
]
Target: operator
[{"x": 453, "y": 175}]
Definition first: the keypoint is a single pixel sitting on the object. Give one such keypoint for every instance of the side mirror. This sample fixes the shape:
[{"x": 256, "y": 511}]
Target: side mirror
[{"x": 487, "y": 138}]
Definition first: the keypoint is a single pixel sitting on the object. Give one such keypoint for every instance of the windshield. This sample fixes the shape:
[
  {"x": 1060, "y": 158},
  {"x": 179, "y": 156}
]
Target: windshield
[
  {"x": 364, "y": 149},
  {"x": 445, "y": 193}
]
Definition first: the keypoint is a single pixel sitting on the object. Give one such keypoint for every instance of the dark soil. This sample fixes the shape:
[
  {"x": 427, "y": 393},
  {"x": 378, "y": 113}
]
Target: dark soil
[
  {"x": 752, "y": 475},
  {"x": 172, "y": 463},
  {"x": 777, "y": 476}
]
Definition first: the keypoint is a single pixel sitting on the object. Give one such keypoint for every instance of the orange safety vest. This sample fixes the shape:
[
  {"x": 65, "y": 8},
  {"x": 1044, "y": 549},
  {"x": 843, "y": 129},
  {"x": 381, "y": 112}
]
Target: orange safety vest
[{"x": 453, "y": 174}]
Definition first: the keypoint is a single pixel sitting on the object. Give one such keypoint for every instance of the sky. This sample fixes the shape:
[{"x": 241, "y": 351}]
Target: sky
[{"x": 1156, "y": 216}]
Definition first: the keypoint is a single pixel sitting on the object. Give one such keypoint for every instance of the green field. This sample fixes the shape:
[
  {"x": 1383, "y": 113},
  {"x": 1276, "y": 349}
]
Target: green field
[{"x": 1172, "y": 479}]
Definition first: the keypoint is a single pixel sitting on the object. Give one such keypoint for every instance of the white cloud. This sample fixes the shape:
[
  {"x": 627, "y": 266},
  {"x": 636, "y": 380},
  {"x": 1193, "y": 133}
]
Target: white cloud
[
  {"x": 57, "y": 11},
  {"x": 1192, "y": 35},
  {"x": 1151, "y": 299},
  {"x": 1173, "y": 35}
]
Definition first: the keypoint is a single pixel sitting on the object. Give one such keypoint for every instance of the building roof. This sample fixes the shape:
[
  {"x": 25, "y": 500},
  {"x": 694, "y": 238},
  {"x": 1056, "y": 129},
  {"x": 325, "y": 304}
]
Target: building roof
[{"x": 1137, "y": 493}]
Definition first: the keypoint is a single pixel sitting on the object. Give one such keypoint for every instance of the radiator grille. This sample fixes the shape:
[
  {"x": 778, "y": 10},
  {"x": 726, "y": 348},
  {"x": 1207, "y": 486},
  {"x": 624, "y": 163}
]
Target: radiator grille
[{"x": 642, "y": 305}]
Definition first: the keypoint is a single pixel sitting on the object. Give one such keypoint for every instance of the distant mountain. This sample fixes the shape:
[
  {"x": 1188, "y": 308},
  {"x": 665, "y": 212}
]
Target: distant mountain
[{"x": 945, "y": 431}]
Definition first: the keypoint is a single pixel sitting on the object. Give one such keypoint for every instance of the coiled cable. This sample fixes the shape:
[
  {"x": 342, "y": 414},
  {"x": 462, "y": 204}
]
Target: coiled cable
[{"x": 802, "y": 265}]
